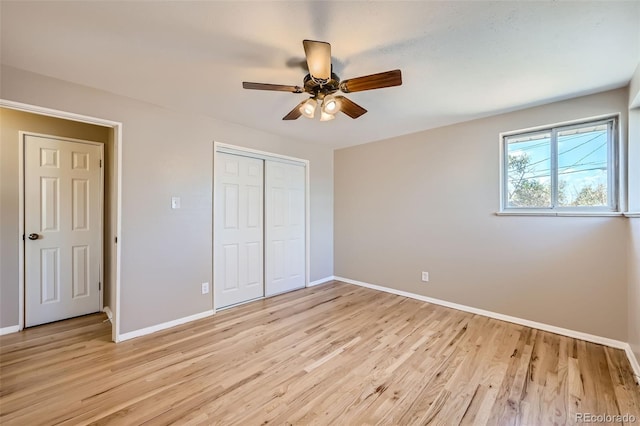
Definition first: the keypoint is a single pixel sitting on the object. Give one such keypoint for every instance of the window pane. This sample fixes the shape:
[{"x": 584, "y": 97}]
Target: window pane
[
  {"x": 529, "y": 170},
  {"x": 582, "y": 166}
]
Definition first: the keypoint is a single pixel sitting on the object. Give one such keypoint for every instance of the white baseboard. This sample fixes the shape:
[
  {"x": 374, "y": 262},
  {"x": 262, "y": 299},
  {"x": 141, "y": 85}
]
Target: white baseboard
[
  {"x": 520, "y": 321},
  {"x": 107, "y": 311},
  {"x": 163, "y": 326},
  {"x": 321, "y": 281},
  {"x": 635, "y": 365},
  {"x": 9, "y": 330}
]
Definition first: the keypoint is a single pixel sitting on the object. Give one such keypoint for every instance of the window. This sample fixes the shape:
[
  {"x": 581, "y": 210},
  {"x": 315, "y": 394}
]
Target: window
[{"x": 564, "y": 168}]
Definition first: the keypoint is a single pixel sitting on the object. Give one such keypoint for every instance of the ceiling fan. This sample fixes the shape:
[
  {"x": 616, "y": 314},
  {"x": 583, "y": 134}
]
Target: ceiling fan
[{"x": 322, "y": 84}]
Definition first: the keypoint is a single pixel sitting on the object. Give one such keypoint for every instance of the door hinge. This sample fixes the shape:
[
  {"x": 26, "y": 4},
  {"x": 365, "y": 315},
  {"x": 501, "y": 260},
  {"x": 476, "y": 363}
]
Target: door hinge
[
  {"x": 100, "y": 163},
  {"x": 22, "y": 237},
  {"x": 99, "y": 286},
  {"x": 116, "y": 240}
]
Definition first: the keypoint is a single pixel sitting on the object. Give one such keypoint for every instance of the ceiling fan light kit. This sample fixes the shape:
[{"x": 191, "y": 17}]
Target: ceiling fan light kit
[{"x": 322, "y": 84}]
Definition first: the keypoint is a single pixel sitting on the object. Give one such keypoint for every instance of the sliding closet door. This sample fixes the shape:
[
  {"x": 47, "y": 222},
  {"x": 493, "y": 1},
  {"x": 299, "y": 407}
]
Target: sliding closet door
[
  {"x": 284, "y": 227},
  {"x": 238, "y": 229}
]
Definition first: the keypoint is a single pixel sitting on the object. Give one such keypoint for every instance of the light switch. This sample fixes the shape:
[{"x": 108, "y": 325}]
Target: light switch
[{"x": 175, "y": 202}]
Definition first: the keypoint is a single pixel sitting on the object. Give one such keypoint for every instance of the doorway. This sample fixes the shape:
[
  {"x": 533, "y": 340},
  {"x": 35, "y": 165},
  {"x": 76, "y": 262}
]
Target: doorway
[
  {"x": 46, "y": 119},
  {"x": 260, "y": 225}
]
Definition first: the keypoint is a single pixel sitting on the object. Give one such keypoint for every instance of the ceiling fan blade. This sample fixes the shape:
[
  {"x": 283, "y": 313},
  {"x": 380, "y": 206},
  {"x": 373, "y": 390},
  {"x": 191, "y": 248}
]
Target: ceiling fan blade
[
  {"x": 373, "y": 81},
  {"x": 318, "y": 55},
  {"x": 295, "y": 113},
  {"x": 276, "y": 87},
  {"x": 350, "y": 108}
]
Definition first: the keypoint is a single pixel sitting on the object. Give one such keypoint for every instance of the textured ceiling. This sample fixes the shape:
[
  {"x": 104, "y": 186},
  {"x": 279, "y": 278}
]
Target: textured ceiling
[{"x": 460, "y": 60}]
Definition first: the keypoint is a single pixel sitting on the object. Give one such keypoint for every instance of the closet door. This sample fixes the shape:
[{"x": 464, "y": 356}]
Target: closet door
[
  {"x": 238, "y": 229},
  {"x": 284, "y": 227}
]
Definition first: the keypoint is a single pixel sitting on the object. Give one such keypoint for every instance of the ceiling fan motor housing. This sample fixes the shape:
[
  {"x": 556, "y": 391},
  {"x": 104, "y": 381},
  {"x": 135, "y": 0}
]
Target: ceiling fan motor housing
[{"x": 318, "y": 90}]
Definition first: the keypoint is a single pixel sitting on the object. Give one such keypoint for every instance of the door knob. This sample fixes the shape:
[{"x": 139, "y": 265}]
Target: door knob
[{"x": 34, "y": 236}]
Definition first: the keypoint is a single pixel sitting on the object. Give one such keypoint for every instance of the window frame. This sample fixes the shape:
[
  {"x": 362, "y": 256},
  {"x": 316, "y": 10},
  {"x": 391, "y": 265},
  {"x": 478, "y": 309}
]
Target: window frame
[{"x": 613, "y": 168}]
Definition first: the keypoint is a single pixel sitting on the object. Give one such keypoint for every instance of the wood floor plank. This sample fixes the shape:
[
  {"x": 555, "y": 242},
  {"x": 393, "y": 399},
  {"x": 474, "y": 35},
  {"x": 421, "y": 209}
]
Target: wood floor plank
[{"x": 331, "y": 354}]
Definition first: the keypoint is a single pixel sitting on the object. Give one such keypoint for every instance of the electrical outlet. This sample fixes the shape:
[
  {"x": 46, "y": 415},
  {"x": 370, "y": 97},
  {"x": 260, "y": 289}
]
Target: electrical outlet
[
  {"x": 425, "y": 277},
  {"x": 205, "y": 288}
]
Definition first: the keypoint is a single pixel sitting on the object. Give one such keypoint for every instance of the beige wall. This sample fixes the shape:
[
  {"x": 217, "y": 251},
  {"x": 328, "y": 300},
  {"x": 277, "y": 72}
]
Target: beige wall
[
  {"x": 634, "y": 287},
  {"x": 634, "y": 223},
  {"x": 634, "y": 89},
  {"x": 634, "y": 143},
  {"x": 11, "y": 122},
  {"x": 426, "y": 202},
  {"x": 167, "y": 254}
]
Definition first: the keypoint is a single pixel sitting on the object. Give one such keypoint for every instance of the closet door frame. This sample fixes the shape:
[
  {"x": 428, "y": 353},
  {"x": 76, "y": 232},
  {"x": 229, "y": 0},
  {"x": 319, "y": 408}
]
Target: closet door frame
[{"x": 219, "y": 147}]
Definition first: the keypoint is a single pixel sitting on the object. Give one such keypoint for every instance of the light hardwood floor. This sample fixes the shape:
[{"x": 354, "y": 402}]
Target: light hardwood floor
[{"x": 333, "y": 354}]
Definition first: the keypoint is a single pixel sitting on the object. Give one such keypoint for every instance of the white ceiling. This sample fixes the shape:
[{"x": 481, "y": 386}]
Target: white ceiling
[{"x": 460, "y": 60}]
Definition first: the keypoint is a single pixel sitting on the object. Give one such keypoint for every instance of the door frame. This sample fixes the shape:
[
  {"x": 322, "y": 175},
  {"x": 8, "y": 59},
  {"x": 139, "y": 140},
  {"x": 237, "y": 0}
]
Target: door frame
[
  {"x": 115, "y": 198},
  {"x": 263, "y": 155},
  {"x": 22, "y": 134}
]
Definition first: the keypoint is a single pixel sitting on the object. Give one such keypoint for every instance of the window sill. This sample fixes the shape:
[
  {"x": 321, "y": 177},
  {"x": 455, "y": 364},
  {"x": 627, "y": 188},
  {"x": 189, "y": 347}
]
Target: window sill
[
  {"x": 565, "y": 214},
  {"x": 632, "y": 214}
]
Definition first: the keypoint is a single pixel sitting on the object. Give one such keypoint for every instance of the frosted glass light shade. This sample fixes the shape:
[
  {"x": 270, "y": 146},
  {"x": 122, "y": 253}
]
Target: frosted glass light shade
[
  {"x": 330, "y": 104},
  {"x": 326, "y": 117},
  {"x": 308, "y": 108}
]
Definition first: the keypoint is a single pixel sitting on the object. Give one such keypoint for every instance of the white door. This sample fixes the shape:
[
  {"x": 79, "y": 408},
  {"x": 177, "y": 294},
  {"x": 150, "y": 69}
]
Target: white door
[
  {"x": 238, "y": 229},
  {"x": 284, "y": 227},
  {"x": 63, "y": 215}
]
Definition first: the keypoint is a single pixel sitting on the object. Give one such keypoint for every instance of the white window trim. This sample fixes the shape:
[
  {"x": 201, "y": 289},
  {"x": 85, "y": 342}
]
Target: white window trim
[
  {"x": 525, "y": 212},
  {"x": 616, "y": 152}
]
